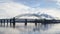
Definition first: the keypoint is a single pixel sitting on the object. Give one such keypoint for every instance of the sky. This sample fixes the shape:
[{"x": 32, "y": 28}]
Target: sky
[
  {"x": 11, "y": 8},
  {"x": 38, "y": 3}
]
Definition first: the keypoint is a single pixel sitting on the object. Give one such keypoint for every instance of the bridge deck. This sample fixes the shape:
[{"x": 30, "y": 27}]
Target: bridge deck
[
  {"x": 42, "y": 21},
  {"x": 29, "y": 21}
]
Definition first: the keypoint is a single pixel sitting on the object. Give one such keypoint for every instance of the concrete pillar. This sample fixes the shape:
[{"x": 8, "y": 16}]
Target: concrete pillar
[
  {"x": 25, "y": 22},
  {"x": 1, "y": 22},
  {"x": 10, "y": 23},
  {"x": 7, "y": 23},
  {"x": 35, "y": 22},
  {"x": 4, "y": 23},
  {"x": 14, "y": 22}
]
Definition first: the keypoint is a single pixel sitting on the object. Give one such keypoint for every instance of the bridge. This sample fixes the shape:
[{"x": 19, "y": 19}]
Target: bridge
[{"x": 16, "y": 19}]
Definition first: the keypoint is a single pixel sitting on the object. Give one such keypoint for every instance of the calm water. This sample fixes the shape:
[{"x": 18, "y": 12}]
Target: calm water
[{"x": 31, "y": 29}]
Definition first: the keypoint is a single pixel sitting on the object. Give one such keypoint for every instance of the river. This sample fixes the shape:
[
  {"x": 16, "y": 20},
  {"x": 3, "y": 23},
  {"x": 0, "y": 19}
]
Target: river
[{"x": 31, "y": 29}]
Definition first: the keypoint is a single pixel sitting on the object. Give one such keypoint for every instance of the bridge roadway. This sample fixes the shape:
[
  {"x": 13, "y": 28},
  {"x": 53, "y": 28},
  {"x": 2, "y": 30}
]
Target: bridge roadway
[
  {"x": 44, "y": 21},
  {"x": 14, "y": 21}
]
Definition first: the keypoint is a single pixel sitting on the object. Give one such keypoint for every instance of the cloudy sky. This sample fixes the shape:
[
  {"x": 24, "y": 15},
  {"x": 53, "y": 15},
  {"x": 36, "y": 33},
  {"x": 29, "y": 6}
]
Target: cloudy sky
[{"x": 11, "y": 8}]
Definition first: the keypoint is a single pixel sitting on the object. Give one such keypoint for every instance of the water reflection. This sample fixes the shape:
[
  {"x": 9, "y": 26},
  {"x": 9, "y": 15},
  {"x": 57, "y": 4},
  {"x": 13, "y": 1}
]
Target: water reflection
[{"x": 32, "y": 29}]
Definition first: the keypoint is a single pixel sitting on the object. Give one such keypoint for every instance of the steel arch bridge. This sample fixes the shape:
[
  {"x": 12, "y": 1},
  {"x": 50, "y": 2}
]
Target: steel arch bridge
[
  {"x": 29, "y": 15},
  {"x": 36, "y": 15},
  {"x": 16, "y": 19}
]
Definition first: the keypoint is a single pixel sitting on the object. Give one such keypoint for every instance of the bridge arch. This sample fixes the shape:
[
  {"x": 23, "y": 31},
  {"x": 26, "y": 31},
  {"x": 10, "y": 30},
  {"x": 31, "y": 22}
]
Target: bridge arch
[{"x": 28, "y": 15}]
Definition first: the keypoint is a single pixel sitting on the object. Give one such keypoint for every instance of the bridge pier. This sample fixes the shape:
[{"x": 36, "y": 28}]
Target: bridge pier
[
  {"x": 25, "y": 22},
  {"x": 1, "y": 22},
  {"x": 4, "y": 22},
  {"x": 14, "y": 22},
  {"x": 7, "y": 23},
  {"x": 35, "y": 22},
  {"x": 10, "y": 23}
]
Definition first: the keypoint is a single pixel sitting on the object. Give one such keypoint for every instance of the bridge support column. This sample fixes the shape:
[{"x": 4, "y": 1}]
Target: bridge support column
[
  {"x": 4, "y": 23},
  {"x": 14, "y": 22},
  {"x": 35, "y": 22},
  {"x": 10, "y": 23},
  {"x": 7, "y": 23},
  {"x": 1, "y": 22},
  {"x": 25, "y": 22}
]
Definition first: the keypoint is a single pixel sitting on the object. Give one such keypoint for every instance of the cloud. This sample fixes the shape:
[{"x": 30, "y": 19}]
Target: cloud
[
  {"x": 11, "y": 9},
  {"x": 31, "y": 3},
  {"x": 53, "y": 12},
  {"x": 38, "y": 3},
  {"x": 57, "y": 2}
]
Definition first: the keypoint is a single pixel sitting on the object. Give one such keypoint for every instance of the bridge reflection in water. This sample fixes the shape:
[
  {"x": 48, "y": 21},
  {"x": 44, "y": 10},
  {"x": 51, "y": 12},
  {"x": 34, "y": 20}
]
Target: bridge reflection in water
[{"x": 14, "y": 21}]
